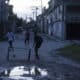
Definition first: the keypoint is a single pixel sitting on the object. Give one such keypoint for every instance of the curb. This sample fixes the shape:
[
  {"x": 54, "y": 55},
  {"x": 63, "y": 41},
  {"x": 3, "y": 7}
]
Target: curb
[
  {"x": 51, "y": 37},
  {"x": 62, "y": 60}
]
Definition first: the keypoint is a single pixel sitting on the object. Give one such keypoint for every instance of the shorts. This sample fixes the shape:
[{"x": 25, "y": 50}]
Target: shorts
[{"x": 10, "y": 44}]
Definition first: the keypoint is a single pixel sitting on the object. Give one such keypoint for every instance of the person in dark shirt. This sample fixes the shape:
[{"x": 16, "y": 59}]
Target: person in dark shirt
[
  {"x": 27, "y": 37},
  {"x": 37, "y": 41}
]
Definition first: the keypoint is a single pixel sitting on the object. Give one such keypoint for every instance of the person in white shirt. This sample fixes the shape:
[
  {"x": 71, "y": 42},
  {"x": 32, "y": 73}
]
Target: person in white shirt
[{"x": 10, "y": 37}]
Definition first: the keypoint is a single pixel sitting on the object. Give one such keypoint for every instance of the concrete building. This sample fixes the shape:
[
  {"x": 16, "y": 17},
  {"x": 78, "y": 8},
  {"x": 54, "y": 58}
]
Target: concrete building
[
  {"x": 56, "y": 19},
  {"x": 72, "y": 19},
  {"x": 42, "y": 22},
  {"x": 63, "y": 19},
  {"x": 66, "y": 18}
]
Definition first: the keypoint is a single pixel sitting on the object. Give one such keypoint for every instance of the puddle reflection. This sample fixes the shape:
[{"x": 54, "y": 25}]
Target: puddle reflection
[{"x": 24, "y": 73}]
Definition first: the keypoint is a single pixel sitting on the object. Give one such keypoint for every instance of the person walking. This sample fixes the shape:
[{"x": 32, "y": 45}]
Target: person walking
[
  {"x": 37, "y": 44},
  {"x": 27, "y": 35},
  {"x": 10, "y": 37},
  {"x": 31, "y": 43}
]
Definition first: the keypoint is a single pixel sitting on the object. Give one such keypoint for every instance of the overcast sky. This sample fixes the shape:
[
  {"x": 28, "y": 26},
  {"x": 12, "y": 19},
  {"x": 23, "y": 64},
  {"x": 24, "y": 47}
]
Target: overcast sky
[{"x": 24, "y": 8}]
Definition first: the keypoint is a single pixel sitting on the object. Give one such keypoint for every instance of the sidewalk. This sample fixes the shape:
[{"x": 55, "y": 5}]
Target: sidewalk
[
  {"x": 57, "y": 58},
  {"x": 50, "y": 45},
  {"x": 52, "y": 37}
]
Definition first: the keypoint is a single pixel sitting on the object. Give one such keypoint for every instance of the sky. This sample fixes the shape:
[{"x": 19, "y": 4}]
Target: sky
[{"x": 25, "y": 8}]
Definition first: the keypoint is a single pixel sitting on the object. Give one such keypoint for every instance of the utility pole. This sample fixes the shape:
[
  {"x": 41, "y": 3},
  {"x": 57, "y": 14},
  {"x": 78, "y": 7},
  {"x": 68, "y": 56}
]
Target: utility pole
[
  {"x": 26, "y": 19},
  {"x": 35, "y": 8},
  {"x": 41, "y": 7},
  {"x": 33, "y": 14},
  {"x": 41, "y": 16},
  {"x": 36, "y": 12},
  {"x": 41, "y": 23}
]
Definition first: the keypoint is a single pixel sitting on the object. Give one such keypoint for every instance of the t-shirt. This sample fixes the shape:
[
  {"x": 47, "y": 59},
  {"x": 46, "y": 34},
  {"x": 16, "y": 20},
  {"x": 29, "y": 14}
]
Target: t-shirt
[
  {"x": 38, "y": 41},
  {"x": 27, "y": 35},
  {"x": 10, "y": 36}
]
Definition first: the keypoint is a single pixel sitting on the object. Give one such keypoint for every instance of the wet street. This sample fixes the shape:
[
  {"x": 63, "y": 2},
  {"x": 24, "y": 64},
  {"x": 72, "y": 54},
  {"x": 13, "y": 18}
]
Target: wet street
[
  {"x": 47, "y": 68},
  {"x": 40, "y": 71},
  {"x": 39, "y": 39}
]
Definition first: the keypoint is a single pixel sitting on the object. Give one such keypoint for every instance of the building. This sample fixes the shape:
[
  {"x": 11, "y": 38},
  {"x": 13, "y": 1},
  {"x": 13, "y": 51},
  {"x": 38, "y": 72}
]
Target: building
[
  {"x": 68, "y": 19},
  {"x": 11, "y": 19},
  {"x": 3, "y": 16},
  {"x": 63, "y": 19},
  {"x": 42, "y": 22},
  {"x": 72, "y": 19},
  {"x": 6, "y": 12}
]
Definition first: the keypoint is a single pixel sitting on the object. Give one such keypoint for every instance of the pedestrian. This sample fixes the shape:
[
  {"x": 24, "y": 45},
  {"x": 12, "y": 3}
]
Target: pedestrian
[
  {"x": 37, "y": 44},
  {"x": 31, "y": 43},
  {"x": 10, "y": 37},
  {"x": 27, "y": 34}
]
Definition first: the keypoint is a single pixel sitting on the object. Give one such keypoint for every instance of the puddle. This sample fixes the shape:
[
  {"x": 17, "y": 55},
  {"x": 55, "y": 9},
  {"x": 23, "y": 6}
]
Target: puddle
[{"x": 23, "y": 73}]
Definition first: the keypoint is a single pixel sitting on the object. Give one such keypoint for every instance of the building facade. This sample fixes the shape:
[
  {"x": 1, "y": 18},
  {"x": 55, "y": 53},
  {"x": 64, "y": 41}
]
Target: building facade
[
  {"x": 62, "y": 19},
  {"x": 72, "y": 19},
  {"x": 55, "y": 17},
  {"x": 6, "y": 10},
  {"x": 3, "y": 16}
]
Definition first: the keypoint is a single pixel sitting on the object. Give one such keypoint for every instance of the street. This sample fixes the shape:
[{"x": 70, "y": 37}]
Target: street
[{"x": 47, "y": 68}]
